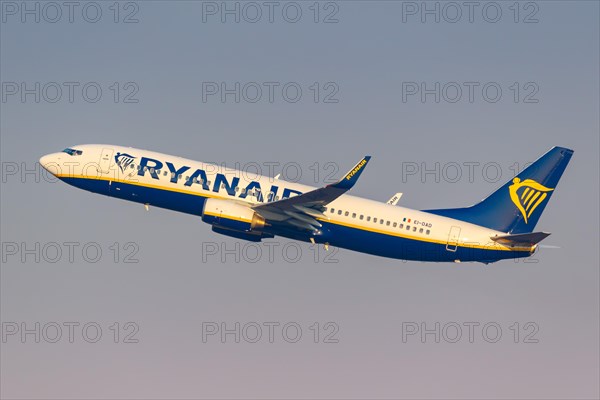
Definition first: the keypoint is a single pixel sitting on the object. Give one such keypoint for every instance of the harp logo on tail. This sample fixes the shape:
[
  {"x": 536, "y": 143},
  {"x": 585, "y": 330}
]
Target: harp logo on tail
[{"x": 532, "y": 195}]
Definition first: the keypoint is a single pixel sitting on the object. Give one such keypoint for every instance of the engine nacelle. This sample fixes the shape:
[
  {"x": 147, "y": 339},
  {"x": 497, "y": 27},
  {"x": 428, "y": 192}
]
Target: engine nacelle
[{"x": 227, "y": 215}]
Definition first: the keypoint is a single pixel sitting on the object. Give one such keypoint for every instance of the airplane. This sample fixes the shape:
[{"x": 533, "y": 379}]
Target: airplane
[{"x": 501, "y": 226}]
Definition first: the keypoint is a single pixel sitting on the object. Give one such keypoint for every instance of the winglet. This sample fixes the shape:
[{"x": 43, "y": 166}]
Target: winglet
[
  {"x": 352, "y": 176},
  {"x": 394, "y": 199}
]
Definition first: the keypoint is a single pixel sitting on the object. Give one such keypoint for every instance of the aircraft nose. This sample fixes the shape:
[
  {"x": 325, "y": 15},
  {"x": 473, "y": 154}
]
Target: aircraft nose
[
  {"x": 44, "y": 160},
  {"x": 50, "y": 163}
]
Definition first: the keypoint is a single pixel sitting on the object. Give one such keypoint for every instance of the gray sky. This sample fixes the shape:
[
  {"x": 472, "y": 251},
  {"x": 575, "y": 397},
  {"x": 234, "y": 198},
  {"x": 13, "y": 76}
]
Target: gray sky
[{"x": 187, "y": 280}]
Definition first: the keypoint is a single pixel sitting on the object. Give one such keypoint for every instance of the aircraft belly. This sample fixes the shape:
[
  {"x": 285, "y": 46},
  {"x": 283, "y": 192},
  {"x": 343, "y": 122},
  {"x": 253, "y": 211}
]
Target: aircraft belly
[{"x": 409, "y": 249}]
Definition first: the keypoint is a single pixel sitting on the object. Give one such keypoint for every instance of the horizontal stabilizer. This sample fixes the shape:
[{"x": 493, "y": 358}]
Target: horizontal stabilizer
[{"x": 521, "y": 238}]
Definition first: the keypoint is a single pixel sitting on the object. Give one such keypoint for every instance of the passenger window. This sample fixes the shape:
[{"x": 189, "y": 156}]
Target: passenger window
[
  {"x": 427, "y": 231},
  {"x": 401, "y": 226},
  {"x": 414, "y": 228},
  {"x": 165, "y": 173},
  {"x": 339, "y": 212},
  {"x": 375, "y": 220},
  {"x": 388, "y": 223},
  {"x": 421, "y": 230},
  {"x": 151, "y": 170},
  {"x": 332, "y": 210},
  {"x": 394, "y": 224},
  {"x": 346, "y": 213},
  {"x": 353, "y": 215},
  {"x": 381, "y": 221},
  {"x": 361, "y": 216},
  {"x": 408, "y": 227},
  {"x": 368, "y": 218}
]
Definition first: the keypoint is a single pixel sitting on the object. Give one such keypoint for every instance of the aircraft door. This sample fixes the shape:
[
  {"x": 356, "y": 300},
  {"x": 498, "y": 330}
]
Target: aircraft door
[
  {"x": 453, "y": 236},
  {"x": 105, "y": 160}
]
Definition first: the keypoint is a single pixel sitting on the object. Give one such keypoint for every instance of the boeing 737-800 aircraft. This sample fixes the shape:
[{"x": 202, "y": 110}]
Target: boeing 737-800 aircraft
[{"x": 499, "y": 227}]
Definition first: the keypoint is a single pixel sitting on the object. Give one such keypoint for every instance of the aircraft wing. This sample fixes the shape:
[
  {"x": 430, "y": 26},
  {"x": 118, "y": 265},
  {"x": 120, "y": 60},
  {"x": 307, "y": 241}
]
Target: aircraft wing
[{"x": 303, "y": 210}]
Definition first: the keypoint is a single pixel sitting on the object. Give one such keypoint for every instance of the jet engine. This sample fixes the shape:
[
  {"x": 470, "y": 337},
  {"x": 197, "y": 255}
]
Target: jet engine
[{"x": 233, "y": 219}]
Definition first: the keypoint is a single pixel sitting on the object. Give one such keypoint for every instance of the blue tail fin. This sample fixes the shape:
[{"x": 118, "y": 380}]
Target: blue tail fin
[{"x": 516, "y": 207}]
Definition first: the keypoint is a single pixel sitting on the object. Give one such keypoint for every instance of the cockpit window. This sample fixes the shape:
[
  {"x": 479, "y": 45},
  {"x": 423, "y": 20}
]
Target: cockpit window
[{"x": 72, "y": 152}]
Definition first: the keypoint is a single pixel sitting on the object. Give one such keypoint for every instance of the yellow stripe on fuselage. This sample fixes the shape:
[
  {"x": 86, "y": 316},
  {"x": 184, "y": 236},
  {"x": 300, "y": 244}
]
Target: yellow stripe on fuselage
[
  {"x": 494, "y": 246},
  {"x": 148, "y": 185}
]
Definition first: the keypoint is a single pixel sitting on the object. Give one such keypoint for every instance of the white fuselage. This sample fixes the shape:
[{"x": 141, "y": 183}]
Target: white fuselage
[{"x": 138, "y": 170}]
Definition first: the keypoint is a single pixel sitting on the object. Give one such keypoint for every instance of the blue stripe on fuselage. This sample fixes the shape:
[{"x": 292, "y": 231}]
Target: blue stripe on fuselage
[
  {"x": 406, "y": 248},
  {"x": 177, "y": 201},
  {"x": 337, "y": 235}
]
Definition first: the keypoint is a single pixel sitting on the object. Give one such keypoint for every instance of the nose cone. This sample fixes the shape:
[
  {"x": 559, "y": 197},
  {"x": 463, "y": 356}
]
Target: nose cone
[
  {"x": 50, "y": 163},
  {"x": 44, "y": 160}
]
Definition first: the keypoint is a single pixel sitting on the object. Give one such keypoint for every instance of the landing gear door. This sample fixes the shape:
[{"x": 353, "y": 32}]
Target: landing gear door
[
  {"x": 105, "y": 160},
  {"x": 453, "y": 236}
]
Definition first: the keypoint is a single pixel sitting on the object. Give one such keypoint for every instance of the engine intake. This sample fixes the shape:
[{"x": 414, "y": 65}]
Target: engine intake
[{"x": 225, "y": 214}]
